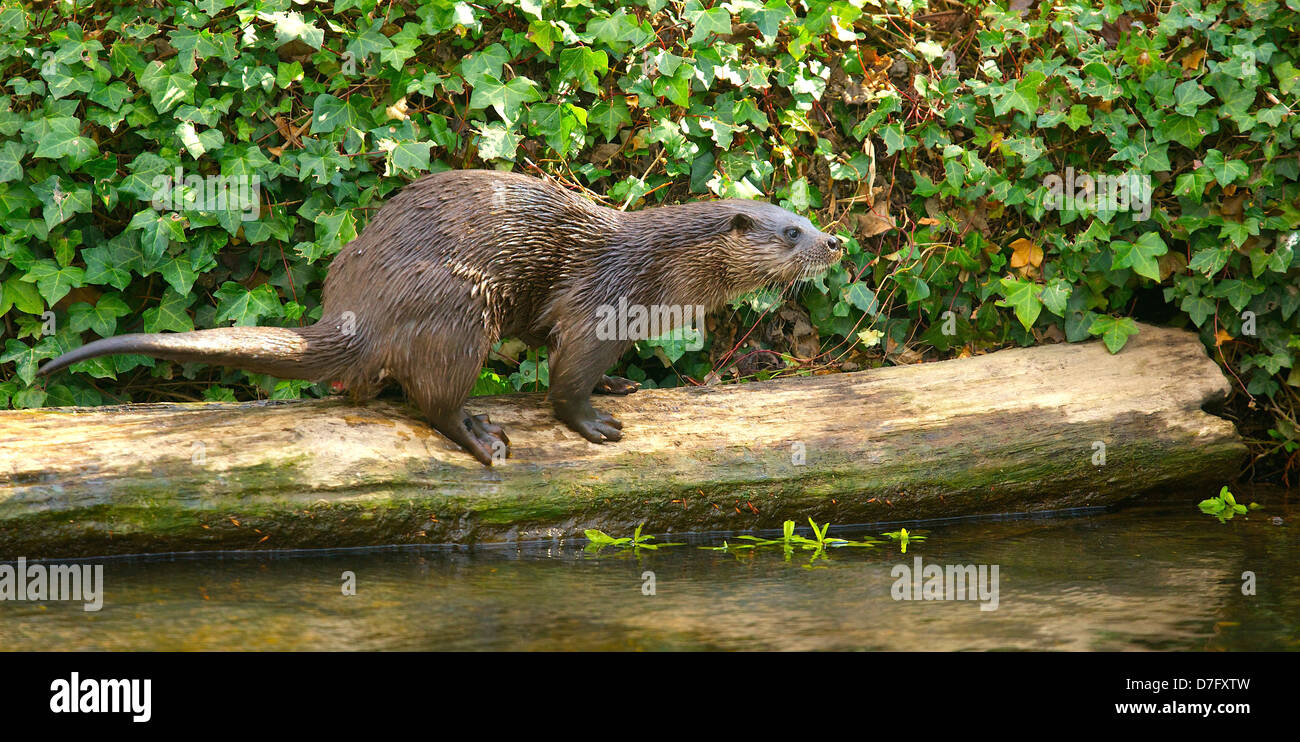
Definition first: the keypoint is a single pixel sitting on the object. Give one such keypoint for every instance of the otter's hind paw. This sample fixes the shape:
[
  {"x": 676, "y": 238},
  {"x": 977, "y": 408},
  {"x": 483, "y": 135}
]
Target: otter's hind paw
[{"x": 487, "y": 442}]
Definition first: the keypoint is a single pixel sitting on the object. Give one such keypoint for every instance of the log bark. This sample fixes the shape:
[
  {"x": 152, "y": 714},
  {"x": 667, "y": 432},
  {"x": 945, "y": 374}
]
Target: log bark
[{"x": 1013, "y": 431}]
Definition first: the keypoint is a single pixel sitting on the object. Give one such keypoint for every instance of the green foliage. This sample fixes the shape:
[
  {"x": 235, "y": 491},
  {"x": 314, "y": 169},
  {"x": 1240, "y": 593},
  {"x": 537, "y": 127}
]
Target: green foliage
[
  {"x": 1224, "y": 506},
  {"x": 904, "y": 537},
  {"x": 598, "y": 540},
  {"x": 333, "y": 106},
  {"x": 790, "y": 540}
]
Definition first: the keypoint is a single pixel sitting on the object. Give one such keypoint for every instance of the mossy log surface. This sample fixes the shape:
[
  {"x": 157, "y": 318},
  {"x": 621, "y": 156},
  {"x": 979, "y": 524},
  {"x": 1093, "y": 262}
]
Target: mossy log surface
[{"x": 1011, "y": 431}]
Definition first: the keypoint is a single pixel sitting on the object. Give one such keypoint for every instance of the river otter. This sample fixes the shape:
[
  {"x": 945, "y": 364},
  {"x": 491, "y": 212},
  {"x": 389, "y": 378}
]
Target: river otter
[{"x": 456, "y": 260}]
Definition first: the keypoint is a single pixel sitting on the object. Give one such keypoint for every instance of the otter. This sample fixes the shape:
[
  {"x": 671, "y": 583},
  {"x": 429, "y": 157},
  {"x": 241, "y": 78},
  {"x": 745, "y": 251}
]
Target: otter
[{"x": 456, "y": 260}]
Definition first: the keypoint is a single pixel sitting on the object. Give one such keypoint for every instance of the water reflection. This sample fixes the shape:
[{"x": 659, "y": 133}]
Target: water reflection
[{"x": 1165, "y": 578}]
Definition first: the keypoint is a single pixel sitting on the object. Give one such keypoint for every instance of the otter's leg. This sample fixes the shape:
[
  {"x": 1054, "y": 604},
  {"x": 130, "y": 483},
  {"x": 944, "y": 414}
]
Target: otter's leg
[
  {"x": 576, "y": 365},
  {"x": 440, "y": 383},
  {"x": 615, "y": 385}
]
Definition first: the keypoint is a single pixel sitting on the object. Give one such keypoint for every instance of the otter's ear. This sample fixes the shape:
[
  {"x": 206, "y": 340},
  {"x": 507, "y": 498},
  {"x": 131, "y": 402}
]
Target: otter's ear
[{"x": 741, "y": 222}]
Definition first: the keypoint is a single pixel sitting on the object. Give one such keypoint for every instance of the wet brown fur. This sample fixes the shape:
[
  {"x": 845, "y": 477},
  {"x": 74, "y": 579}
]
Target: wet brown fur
[{"x": 457, "y": 260}]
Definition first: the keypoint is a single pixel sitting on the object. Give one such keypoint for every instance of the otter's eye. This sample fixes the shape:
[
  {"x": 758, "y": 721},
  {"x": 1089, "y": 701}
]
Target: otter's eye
[{"x": 792, "y": 233}]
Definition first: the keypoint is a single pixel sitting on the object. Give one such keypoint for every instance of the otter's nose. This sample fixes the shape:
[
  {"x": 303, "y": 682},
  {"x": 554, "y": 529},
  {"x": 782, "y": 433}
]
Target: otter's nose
[{"x": 833, "y": 244}]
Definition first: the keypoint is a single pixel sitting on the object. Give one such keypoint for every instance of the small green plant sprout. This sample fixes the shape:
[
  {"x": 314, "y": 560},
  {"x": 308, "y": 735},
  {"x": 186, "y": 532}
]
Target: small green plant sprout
[
  {"x": 904, "y": 537},
  {"x": 821, "y": 541},
  {"x": 599, "y": 540},
  {"x": 1225, "y": 506},
  {"x": 789, "y": 539}
]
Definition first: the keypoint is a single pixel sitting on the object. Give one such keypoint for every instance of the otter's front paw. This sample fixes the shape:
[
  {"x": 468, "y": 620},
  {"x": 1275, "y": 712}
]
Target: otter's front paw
[{"x": 616, "y": 385}]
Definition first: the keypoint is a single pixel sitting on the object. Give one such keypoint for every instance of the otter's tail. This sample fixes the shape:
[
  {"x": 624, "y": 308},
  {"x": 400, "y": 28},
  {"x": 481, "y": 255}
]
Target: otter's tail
[{"x": 319, "y": 352}]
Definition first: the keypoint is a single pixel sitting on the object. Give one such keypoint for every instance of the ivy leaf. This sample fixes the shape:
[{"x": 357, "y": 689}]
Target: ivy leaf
[
  {"x": 179, "y": 274},
  {"x": 505, "y": 98},
  {"x": 410, "y": 156},
  {"x": 584, "y": 65},
  {"x": 170, "y": 314},
  {"x": 1055, "y": 296},
  {"x": 1210, "y": 260},
  {"x": 714, "y": 21},
  {"x": 11, "y": 156},
  {"x": 1225, "y": 171},
  {"x": 111, "y": 96},
  {"x": 1238, "y": 291},
  {"x": 1198, "y": 308},
  {"x": 197, "y": 143},
  {"x": 1189, "y": 96},
  {"x": 1140, "y": 255},
  {"x": 290, "y": 25},
  {"x": 334, "y": 230},
  {"x": 54, "y": 281},
  {"x": 329, "y": 113},
  {"x": 166, "y": 87},
  {"x": 60, "y": 204},
  {"x": 109, "y": 265},
  {"x": 1023, "y": 96},
  {"x": 15, "y": 292},
  {"x": 544, "y": 34},
  {"x": 1114, "y": 331},
  {"x": 369, "y": 42},
  {"x": 1022, "y": 295},
  {"x": 60, "y": 136},
  {"x": 243, "y": 307},
  {"x": 769, "y": 17},
  {"x": 157, "y": 231},
  {"x": 27, "y": 358},
  {"x": 610, "y": 115},
  {"x": 498, "y": 142},
  {"x": 102, "y": 317},
  {"x": 1186, "y": 130},
  {"x": 320, "y": 158},
  {"x": 862, "y": 297}
]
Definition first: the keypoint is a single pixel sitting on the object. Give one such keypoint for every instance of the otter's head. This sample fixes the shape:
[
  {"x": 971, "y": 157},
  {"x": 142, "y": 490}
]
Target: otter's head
[{"x": 773, "y": 246}]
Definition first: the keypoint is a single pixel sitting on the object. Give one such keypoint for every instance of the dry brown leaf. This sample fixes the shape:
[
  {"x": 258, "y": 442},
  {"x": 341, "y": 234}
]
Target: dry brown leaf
[
  {"x": 1231, "y": 208},
  {"x": 1054, "y": 333},
  {"x": 1025, "y": 253},
  {"x": 1192, "y": 60},
  {"x": 876, "y": 220},
  {"x": 1171, "y": 263},
  {"x": 604, "y": 153}
]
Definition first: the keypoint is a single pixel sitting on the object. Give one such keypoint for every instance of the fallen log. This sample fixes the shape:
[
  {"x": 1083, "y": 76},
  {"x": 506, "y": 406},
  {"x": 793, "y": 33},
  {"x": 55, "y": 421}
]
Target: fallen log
[{"x": 1028, "y": 429}]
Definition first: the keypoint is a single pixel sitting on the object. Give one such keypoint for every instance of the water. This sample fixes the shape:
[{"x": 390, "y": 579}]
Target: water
[{"x": 1142, "y": 578}]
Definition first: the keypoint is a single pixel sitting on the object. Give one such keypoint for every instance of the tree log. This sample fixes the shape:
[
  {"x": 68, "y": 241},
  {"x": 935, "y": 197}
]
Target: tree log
[{"x": 1026, "y": 429}]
